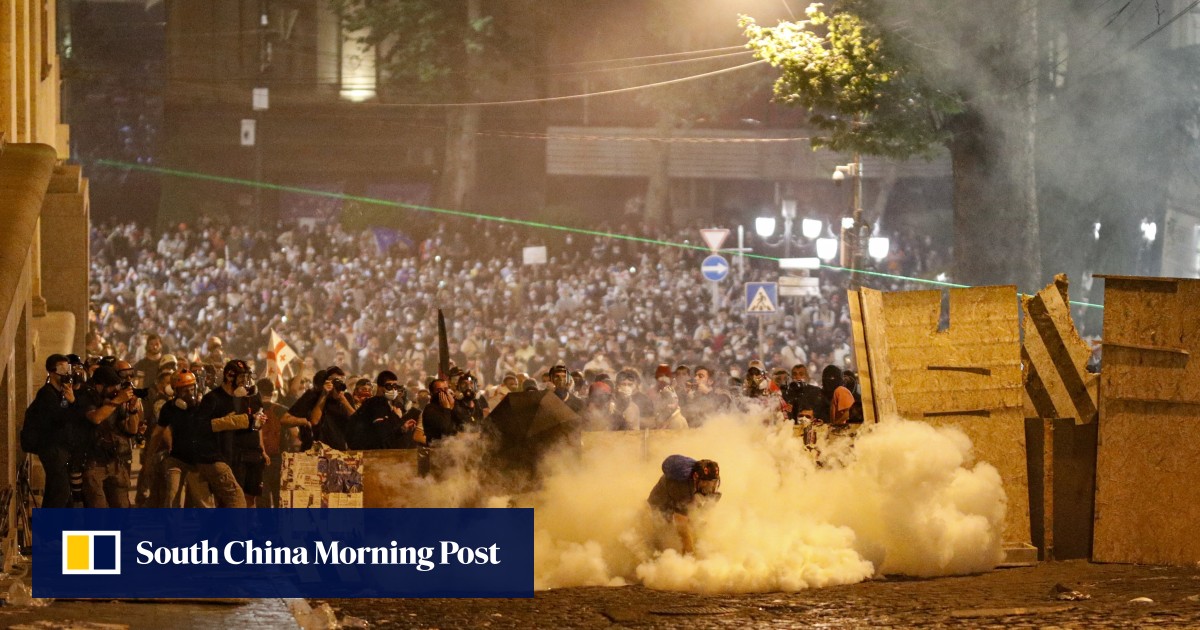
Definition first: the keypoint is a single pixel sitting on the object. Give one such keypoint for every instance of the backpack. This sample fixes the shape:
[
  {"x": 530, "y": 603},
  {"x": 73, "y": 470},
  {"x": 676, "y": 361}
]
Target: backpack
[{"x": 678, "y": 467}]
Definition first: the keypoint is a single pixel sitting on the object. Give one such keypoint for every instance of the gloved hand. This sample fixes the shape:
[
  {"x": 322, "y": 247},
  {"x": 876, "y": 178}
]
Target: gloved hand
[{"x": 231, "y": 422}]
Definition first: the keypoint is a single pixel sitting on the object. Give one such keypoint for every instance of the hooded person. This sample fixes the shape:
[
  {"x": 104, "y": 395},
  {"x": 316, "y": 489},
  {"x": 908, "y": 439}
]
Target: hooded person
[
  {"x": 381, "y": 421},
  {"x": 839, "y": 398},
  {"x": 685, "y": 485}
]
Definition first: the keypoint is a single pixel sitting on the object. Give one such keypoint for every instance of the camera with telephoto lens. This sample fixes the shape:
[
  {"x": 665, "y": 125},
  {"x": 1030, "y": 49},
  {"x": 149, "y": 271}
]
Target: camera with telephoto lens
[
  {"x": 339, "y": 385},
  {"x": 140, "y": 392}
]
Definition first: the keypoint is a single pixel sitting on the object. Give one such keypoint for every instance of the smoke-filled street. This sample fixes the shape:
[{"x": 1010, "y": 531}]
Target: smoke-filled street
[{"x": 1004, "y": 598}]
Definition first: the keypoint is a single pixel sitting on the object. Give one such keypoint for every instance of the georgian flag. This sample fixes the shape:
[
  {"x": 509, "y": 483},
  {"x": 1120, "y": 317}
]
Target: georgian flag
[{"x": 279, "y": 355}]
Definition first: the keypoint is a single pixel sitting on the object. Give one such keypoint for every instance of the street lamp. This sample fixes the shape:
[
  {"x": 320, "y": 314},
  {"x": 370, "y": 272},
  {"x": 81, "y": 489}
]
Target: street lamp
[
  {"x": 765, "y": 227},
  {"x": 855, "y": 230},
  {"x": 877, "y": 247},
  {"x": 827, "y": 248}
]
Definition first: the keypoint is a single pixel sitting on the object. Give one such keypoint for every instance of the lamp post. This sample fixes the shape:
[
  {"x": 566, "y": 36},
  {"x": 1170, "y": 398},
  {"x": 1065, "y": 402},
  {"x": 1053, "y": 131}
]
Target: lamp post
[
  {"x": 856, "y": 231},
  {"x": 765, "y": 227}
]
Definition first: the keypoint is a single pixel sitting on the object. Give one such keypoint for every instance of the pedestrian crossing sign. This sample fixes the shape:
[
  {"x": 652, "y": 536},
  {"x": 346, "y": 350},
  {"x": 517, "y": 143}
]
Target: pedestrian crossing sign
[{"x": 762, "y": 297}]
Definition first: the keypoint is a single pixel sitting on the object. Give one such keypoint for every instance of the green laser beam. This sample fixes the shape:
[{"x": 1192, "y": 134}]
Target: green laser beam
[{"x": 486, "y": 217}]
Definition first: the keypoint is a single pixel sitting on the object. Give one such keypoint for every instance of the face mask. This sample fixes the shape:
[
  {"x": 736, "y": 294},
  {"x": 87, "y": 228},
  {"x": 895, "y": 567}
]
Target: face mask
[
  {"x": 763, "y": 384},
  {"x": 181, "y": 403},
  {"x": 241, "y": 392},
  {"x": 625, "y": 390},
  {"x": 63, "y": 369},
  {"x": 391, "y": 394}
]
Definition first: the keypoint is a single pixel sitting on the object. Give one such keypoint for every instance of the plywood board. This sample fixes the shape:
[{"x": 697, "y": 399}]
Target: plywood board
[
  {"x": 1149, "y": 430},
  {"x": 1057, "y": 383},
  {"x": 968, "y": 375},
  {"x": 861, "y": 357}
]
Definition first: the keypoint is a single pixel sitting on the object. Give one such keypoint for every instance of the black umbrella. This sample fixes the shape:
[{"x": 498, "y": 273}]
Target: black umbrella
[{"x": 525, "y": 425}]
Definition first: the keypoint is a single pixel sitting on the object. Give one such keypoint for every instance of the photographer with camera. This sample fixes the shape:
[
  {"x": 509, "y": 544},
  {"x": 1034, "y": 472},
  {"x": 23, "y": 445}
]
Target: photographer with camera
[
  {"x": 45, "y": 430},
  {"x": 111, "y": 416},
  {"x": 803, "y": 395},
  {"x": 326, "y": 408}
]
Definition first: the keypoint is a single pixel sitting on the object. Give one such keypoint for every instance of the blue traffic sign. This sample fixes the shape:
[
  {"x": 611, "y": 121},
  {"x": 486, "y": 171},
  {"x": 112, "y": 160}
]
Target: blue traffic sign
[
  {"x": 715, "y": 268},
  {"x": 762, "y": 297}
]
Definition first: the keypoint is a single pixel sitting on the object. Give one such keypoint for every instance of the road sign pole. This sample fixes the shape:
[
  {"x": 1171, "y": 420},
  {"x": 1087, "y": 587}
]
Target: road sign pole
[
  {"x": 716, "y": 299},
  {"x": 741, "y": 258}
]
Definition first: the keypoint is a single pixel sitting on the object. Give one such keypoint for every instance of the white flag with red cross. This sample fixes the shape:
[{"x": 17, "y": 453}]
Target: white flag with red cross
[{"x": 279, "y": 355}]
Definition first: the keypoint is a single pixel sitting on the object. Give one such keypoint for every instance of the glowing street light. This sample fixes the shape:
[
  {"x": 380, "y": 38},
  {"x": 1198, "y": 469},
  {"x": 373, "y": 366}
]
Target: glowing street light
[
  {"x": 827, "y": 248},
  {"x": 811, "y": 228},
  {"x": 764, "y": 226},
  {"x": 877, "y": 247}
]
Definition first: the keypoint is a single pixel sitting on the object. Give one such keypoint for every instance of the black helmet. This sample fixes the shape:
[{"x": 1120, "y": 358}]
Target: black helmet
[{"x": 236, "y": 367}]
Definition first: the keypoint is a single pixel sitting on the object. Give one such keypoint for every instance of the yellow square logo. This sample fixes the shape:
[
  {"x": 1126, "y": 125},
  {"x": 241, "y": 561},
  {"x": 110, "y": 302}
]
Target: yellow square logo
[{"x": 91, "y": 553}]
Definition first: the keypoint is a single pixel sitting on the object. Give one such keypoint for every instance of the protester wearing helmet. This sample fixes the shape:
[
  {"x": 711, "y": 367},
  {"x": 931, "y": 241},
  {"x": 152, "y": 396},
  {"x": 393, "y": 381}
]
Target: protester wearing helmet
[
  {"x": 195, "y": 453},
  {"x": 685, "y": 484},
  {"x": 236, "y": 412},
  {"x": 560, "y": 377}
]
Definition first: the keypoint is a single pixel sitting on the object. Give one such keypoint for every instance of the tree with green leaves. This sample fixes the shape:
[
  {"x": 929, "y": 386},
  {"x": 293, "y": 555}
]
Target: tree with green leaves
[
  {"x": 911, "y": 79},
  {"x": 445, "y": 51}
]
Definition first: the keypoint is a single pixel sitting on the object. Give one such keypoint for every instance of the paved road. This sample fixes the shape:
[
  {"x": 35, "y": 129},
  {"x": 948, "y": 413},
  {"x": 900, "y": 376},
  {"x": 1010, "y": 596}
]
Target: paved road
[{"x": 1007, "y": 598}]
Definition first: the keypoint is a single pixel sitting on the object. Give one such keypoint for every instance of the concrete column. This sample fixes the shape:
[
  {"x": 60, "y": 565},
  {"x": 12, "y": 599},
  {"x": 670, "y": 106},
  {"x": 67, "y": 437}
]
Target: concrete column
[
  {"x": 64, "y": 253},
  {"x": 35, "y": 257},
  {"x": 8, "y": 409},
  {"x": 24, "y": 74},
  {"x": 8, "y": 70}
]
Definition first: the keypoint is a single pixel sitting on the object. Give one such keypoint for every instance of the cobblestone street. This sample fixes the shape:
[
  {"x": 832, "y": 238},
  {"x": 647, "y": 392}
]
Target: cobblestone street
[{"x": 1006, "y": 598}]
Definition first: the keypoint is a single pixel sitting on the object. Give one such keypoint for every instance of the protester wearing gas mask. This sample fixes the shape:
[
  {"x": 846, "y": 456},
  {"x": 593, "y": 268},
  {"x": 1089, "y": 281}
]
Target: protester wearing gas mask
[
  {"x": 381, "y": 422},
  {"x": 45, "y": 430},
  {"x": 195, "y": 461},
  {"x": 756, "y": 385},
  {"x": 469, "y": 401},
  {"x": 111, "y": 417},
  {"x": 237, "y": 414},
  {"x": 326, "y": 408}
]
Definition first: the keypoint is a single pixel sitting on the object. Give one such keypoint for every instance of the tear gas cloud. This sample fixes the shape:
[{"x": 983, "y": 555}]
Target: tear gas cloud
[{"x": 908, "y": 498}]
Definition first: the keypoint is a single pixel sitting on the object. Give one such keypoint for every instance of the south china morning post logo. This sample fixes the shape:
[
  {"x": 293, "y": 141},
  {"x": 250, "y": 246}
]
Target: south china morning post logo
[
  {"x": 91, "y": 552},
  {"x": 372, "y": 552}
]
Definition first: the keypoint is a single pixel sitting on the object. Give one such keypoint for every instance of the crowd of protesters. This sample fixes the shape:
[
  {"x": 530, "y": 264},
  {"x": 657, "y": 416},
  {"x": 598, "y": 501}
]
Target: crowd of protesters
[
  {"x": 623, "y": 331},
  {"x": 344, "y": 299}
]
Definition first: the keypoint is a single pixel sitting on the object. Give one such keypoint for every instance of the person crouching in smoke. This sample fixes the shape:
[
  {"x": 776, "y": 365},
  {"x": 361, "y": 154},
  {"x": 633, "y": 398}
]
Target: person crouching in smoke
[{"x": 684, "y": 484}]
